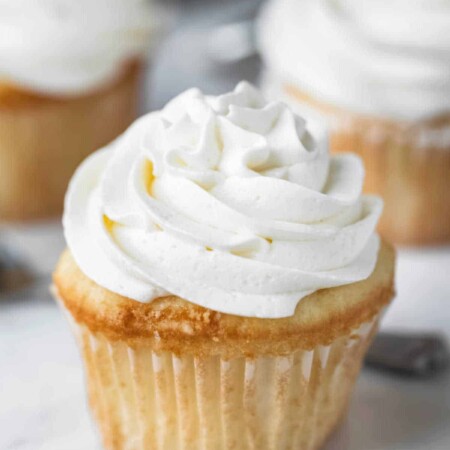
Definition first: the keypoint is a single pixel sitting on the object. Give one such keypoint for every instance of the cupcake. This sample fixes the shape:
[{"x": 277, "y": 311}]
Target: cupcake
[
  {"x": 69, "y": 78},
  {"x": 223, "y": 277},
  {"x": 379, "y": 74}
]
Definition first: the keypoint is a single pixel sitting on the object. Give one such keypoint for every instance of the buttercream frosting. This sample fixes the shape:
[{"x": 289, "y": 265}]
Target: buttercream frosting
[
  {"x": 71, "y": 46},
  {"x": 383, "y": 57},
  {"x": 228, "y": 202}
]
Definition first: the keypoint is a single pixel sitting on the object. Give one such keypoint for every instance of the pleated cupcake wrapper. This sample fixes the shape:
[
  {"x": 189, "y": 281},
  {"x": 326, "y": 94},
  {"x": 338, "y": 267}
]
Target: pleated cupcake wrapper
[
  {"x": 142, "y": 399},
  {"x": 43, "y": 141}
]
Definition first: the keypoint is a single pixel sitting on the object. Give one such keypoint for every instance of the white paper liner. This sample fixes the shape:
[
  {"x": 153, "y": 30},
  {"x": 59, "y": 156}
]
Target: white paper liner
[{"x": 147, "y": 400}]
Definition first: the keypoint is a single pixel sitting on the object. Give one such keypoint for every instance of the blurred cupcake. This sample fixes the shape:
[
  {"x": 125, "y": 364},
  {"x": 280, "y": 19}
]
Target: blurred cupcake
[
  {"x": 69, "y": 78},
  {"x": 223, "y": 277},
  {"x": 379, "y": 73}
]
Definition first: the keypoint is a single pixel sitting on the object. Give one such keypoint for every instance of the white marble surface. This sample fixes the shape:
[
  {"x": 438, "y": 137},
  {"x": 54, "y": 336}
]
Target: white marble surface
[{"x": 42, "y": 397}]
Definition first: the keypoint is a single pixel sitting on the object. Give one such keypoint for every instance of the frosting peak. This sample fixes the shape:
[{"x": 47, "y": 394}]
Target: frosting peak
[
  {"x": 228, "y": 202},
  {"x": 236, "y": 135}
]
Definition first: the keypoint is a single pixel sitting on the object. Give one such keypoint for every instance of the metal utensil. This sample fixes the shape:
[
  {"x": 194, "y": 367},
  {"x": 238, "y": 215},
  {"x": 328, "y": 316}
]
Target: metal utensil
[
  {"x": 409, "y": 353},
  {"x": 14, "y": 272}
]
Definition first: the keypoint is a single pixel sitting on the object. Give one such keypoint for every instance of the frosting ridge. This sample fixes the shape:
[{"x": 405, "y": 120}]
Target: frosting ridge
[{"x": 228, "y": 202}]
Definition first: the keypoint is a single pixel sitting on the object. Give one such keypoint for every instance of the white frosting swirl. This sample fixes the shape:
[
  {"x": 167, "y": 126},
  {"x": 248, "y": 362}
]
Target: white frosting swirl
[
  {"x": 228, "y": 202},
  {"x": 71, "y": 46},
  {"x": 384, "y": 57}
]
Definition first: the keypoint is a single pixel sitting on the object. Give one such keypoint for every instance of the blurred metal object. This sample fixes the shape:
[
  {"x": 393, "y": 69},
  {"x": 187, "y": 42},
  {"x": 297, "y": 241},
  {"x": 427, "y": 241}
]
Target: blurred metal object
[
  {"x": 232, "y": 42},
  {"x": 410, "y": 354},
  {"x": 14, "y": 273},
  {"x": 37, "y": 291}
]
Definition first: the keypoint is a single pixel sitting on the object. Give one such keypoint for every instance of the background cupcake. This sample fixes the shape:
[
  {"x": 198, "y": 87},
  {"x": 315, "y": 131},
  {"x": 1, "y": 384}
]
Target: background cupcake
[
  {"x": 223, "y": 277},
  {"x": 379, "y": 73},
  {"x": 69, "y": 77}
]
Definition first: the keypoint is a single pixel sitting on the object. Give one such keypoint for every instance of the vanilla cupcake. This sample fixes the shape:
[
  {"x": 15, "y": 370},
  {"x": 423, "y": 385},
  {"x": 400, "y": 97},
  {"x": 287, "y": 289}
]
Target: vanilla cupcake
[
  {"x": 69, "y": 78},
  {"x": 223, "y": 277},
  {"x": 378, "y": 72}
]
